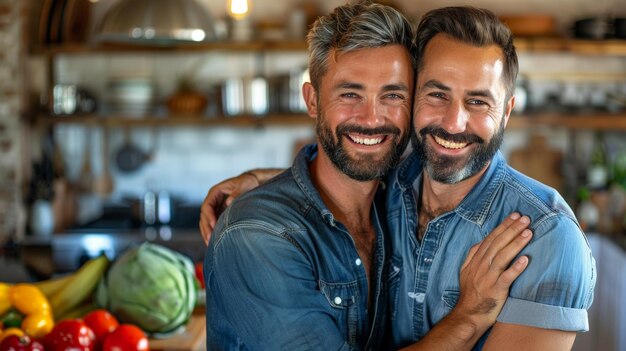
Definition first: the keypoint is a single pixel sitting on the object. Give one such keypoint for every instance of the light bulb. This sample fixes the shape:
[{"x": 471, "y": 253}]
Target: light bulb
[{"x": 238, "y": 9}]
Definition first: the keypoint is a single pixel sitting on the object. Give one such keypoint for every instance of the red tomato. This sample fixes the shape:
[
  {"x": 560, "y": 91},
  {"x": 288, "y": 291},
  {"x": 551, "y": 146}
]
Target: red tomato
[
  {"x": 126, "y": 337},
  {"x": 199, "y": 273},
  {"x": 20, "y": 343},
  {"x": 102, "y": 322},
  {"x": 70, "y": 334}
]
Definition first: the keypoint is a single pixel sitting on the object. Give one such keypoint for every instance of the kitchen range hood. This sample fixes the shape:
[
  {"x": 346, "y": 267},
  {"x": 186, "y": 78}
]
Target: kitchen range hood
[{"x": 160, "y": 22}]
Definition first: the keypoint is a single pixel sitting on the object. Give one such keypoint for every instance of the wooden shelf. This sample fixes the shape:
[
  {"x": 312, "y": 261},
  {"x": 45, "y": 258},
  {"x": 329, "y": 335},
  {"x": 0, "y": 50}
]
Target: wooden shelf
[
  {"x": 576, "y": 46},
  {"x": 251, "y": 46},
  {"x": 180, "y": 120},
  {"x": 537, "y": 45},
  {"x": 592, "y": 121}
]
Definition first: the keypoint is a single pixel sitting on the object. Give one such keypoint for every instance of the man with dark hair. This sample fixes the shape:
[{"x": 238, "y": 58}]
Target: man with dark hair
[
  {"x": 302, "y": 262},
  {"x": 456, "y": 186}
]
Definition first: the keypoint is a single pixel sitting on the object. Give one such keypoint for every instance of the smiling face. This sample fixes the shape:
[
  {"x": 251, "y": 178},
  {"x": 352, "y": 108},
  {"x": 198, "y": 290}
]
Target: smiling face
[
  {"x": 363, "y": 110},
  {"x": 461, "y": 108}
]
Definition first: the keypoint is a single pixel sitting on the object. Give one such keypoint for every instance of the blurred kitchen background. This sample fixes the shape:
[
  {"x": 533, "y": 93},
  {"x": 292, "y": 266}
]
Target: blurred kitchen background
[{"x": 117, "y": 116}]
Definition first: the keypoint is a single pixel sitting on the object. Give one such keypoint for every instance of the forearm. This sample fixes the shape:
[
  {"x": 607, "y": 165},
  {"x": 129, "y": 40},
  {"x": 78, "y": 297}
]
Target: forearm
[
  {"x": 262, "y": 175},
  {"x": 453, "y": 333}
]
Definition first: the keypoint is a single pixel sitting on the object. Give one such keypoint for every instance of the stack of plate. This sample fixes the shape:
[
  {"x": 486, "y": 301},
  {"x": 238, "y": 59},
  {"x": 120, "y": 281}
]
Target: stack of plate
[{"x": 131, "y": 96}]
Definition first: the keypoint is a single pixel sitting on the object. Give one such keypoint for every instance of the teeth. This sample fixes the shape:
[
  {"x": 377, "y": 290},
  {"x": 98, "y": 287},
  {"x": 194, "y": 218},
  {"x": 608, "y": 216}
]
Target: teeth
[
  {"x": 449, "y": 144},
  {"x": 366, "y": 141}
]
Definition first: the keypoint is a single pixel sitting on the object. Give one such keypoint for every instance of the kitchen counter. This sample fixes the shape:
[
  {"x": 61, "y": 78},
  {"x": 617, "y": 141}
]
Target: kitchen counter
[{"x": 40, "y": 258}]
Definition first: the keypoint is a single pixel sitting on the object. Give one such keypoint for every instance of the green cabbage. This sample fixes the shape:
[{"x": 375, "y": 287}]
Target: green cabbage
[{"x": 150, "y": 286}]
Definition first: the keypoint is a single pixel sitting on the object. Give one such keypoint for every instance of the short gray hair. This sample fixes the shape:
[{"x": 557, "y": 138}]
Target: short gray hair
[
  {"x": 473, "y": 26},
  {"x": 354, "y": 26}
]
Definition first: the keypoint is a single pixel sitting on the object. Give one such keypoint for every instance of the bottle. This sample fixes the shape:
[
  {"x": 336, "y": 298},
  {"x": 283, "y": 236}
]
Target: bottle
[{"x": 598, "y": 171}]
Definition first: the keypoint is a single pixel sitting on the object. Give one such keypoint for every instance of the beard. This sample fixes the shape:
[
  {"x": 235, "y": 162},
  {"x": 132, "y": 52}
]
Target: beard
[
  {"x": 452, "y": 170},
  {"x": 361, "y": 167}
]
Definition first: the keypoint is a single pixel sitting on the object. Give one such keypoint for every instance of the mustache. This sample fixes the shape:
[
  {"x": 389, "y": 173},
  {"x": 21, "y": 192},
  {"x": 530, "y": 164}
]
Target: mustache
[
  {"x": 457, "y": 138},
  {"x": 345, "y": 129}
]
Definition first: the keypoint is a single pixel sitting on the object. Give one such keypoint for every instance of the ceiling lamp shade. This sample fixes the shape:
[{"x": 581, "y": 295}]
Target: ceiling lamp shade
[{"x": 156, "y": 22}]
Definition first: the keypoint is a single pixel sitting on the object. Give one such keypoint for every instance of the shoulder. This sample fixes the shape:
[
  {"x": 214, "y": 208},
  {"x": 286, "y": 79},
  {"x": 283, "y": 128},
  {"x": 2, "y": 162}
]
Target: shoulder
[{"x": 534, "y": 196}]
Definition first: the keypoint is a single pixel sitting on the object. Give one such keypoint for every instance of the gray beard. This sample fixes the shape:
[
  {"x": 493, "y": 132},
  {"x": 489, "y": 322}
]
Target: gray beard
[{"x": 446, "y": 170}]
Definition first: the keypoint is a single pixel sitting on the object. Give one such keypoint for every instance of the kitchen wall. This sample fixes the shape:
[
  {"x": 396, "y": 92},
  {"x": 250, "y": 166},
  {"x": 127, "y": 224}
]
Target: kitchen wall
[{"x": 189, "y": 160}]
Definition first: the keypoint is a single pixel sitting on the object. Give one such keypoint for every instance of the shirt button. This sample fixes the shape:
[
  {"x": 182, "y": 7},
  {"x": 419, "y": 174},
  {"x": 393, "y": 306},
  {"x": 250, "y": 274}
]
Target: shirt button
[
  {"x": 337, "y": 300},
  {"x": 420, "y": 297},
  {"x": 358, "y": 261}
]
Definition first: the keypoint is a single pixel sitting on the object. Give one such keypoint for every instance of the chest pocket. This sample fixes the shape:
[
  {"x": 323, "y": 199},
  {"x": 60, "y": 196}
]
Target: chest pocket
[
  {"x": 343, "y": 298},
  {"x": 450, "y": 298}
]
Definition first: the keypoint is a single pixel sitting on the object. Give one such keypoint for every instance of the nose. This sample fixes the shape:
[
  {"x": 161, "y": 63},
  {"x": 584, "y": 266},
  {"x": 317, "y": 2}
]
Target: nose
[
  {"x": 455, "y": 119},
  {"x": 371, "y": 113}
]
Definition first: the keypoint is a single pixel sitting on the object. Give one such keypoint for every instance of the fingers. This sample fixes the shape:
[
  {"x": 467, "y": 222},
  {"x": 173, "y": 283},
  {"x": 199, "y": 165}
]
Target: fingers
[
  {"x": 508, "y": 277},
  {"x": 512, "y": 226},
  {"x": 491, "y": 258}
]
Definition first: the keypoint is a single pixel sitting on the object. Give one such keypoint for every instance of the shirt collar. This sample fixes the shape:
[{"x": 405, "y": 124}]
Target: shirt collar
[
  {"x": 302, "y": 177},
  {"x": 475, "y": 206}
]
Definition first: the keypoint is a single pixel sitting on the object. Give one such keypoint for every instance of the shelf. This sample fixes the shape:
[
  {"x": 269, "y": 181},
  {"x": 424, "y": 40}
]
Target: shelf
[
  {"x": 251, "y": 46},
  {"x": 592, "y": 121},
  {"x": 534, "y": 45},
  {"x": 180, "y": 120}
]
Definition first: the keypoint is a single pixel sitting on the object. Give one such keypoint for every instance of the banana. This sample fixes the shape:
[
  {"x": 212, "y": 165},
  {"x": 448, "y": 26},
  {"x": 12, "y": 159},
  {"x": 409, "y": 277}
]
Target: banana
[
  {"x": 50, "y": 286},
  {"x": 78, "y": 311},
  {"x": 79, "y": 288}
]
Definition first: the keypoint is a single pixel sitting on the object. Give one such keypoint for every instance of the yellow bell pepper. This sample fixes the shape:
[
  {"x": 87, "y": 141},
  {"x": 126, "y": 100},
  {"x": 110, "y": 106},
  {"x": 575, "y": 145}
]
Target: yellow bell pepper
[
  {"x": 37, "y": 325},
  {"x": 28, "y": 299},
  {"x": 5, "y": 304},
  {"x": 33, "y": 304}
]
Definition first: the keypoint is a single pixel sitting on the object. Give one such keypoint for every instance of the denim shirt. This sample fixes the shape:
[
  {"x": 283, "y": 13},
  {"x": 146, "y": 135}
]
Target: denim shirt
[
  {"x": 554, "y": 291},
  {"x": 282, "y": 274}
]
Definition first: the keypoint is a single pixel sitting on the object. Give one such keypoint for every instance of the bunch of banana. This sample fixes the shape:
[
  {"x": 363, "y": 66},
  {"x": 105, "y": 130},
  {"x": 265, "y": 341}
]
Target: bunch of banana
[{"x": 70, "y": 295}]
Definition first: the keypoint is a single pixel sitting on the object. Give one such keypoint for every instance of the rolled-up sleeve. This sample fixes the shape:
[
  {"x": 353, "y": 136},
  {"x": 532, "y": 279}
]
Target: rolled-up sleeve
[
  {"x": 556, "y": 289},
  {"x": 264, "y": 286}
]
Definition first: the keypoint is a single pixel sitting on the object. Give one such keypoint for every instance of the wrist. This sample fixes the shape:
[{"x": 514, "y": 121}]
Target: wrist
[
  {"x": 466, "y": 327},
  {"x": 251, "y": 174}
]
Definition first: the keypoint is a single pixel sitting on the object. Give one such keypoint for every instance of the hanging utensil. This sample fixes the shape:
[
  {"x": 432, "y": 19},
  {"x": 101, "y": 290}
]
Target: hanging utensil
[
  {"x": 104, "y": 184},
  {"x": 130, "y": 157}
]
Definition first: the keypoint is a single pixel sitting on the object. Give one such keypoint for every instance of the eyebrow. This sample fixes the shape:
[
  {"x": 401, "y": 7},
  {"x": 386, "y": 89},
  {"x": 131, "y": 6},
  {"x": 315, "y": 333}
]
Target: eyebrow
[
  {"x": 357, "y": 86},
  {"x": 438, "y": 85}
]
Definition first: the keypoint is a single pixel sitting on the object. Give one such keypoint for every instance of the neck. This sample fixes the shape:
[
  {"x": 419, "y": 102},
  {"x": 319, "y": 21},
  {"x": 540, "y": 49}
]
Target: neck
[
  {"x": 438, "y": 198},
  {"x": 348, "y": 200}
]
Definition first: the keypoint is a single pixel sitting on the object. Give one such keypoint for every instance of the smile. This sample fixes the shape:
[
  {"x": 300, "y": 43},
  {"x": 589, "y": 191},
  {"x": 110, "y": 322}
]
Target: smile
[
  {"x": 366, "y": 140},
  {"x": 449, "y": 144}
]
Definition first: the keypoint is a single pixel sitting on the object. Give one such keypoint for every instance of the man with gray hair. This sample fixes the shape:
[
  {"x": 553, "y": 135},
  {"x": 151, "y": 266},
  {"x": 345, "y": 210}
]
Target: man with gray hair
[{"x": 303, "y": 262}]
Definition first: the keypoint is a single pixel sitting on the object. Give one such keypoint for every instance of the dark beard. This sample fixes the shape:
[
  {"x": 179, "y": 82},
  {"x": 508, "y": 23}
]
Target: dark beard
[
  {"x": 366, "y": 167},
  {"x": 449, "y": 170}
]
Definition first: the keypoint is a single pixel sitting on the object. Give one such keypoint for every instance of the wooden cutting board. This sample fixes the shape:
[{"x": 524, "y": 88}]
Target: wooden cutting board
[
  {"x": 537, "y": 160},
  {"x": 193, "y": 338}
]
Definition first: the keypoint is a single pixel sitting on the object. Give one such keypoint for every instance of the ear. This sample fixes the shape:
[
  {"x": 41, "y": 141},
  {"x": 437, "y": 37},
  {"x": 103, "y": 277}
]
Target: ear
[
  {"x": 310, "y": 99},
  {"x": 508, "y": 108}
]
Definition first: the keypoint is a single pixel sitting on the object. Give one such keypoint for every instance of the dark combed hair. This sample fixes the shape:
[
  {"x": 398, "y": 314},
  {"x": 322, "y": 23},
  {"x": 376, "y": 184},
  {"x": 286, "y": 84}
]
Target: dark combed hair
[{"x": 473, "y": 26}]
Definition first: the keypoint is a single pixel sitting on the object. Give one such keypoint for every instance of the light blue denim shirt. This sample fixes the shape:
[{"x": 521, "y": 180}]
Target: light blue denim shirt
[
  {"x": 282, "y": 274},
  {"x": 555, "y": 290}
]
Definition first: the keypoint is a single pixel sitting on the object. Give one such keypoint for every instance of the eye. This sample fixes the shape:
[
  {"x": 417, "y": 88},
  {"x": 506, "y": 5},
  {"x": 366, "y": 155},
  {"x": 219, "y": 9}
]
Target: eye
[
  {"x": 394, "y": 96},
  {"x": 476, "y": 102},
  {"x": 437, "y": 95},
  {"x": 349, "y": 95}
]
